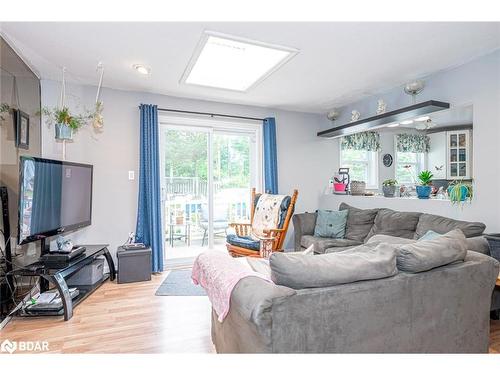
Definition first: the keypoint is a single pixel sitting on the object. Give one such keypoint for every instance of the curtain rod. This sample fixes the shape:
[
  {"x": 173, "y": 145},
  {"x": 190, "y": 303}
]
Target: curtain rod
[{"x": 209, "y": 114}]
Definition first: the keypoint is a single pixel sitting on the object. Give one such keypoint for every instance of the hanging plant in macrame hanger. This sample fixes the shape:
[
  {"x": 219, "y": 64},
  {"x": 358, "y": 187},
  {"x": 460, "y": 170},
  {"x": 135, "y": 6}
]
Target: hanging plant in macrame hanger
[{"x": 64, "y": 122}]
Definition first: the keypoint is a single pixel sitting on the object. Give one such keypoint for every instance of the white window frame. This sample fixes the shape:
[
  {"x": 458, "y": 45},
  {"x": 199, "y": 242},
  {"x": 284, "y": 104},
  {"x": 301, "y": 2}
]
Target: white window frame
[
  {"x": 371, "y": 165},
  {"x": 420, "y": 165},
  {"x": 218, "y": 126}
]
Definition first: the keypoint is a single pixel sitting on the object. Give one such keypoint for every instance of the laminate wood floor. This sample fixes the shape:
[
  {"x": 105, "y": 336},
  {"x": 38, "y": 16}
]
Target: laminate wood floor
[
  {"x": 124, "y": 318},
  {"x": 129, "y": 318}
]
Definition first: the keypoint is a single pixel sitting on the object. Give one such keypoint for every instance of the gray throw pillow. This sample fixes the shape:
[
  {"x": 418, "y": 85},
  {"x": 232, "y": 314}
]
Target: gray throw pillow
[
  {"x": 425, "y": 255},
  {"x": 330, "y": 224},
  {"x": 365, "y": 262}
]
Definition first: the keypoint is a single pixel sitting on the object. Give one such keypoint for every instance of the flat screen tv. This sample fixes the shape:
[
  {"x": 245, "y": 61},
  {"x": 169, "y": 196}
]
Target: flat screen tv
[{"x": 54, "y": 197}]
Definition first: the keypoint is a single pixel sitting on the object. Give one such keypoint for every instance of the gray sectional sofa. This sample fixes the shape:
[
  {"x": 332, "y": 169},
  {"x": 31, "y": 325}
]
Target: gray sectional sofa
[
  {"x": 362, "y": 224},
  {"x": 442, "y": 310}
]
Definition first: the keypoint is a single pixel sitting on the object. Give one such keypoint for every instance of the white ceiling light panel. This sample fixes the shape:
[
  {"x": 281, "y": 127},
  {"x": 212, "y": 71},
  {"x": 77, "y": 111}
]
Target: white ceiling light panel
[{"x": 231, "y": 63}]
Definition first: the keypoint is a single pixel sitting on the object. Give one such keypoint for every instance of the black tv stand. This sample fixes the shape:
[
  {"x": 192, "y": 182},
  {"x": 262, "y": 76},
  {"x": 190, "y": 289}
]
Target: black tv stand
[{"x": 57, "y": 274}]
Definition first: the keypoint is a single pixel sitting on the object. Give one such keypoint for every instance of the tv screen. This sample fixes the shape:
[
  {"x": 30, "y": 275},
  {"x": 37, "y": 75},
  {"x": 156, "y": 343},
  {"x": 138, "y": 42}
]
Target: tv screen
[{"x": 54, "y": 197}]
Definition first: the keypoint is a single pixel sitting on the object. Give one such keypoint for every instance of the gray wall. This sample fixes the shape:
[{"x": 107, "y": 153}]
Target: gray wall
[
  {"x": 476, "y": 83},
  {"x": 301, "y": 161}
]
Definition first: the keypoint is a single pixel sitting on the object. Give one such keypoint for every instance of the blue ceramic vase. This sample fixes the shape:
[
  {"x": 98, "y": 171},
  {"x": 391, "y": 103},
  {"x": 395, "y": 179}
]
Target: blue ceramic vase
[{"x": 424, "y": 191}]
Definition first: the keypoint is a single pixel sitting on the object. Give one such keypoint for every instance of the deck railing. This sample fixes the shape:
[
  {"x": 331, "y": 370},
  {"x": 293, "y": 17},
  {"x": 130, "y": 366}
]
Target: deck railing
[{"x": 188, "y": 186}]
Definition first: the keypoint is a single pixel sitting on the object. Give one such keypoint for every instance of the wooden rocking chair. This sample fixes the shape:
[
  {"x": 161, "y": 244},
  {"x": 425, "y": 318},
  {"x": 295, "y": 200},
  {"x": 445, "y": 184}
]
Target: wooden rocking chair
[{"x": 242, "y": 243}]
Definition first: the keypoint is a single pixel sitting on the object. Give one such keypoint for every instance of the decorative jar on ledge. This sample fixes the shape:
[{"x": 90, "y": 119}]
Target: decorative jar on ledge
[
  {"x": 389, "y": 188},
  {"x": 358, "y": 188}
]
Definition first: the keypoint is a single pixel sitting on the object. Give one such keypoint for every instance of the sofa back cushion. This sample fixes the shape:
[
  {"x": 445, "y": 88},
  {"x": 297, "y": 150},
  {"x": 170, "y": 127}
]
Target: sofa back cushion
[
  {"x": 425, "y": 255},
  {"x": 443, "y": 225},
  {"x": 395, "y": 223},
  {"x": 365, "y": 262},
  {"x": 359, "y": 222}
]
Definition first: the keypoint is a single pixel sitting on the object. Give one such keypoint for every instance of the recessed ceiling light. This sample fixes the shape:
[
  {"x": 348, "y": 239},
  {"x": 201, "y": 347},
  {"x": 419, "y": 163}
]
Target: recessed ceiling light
[
  {"x": 142, "y": 69},
  {"x": 233, "y": 63},
  {"x": 393, "y": 125},
  {"x": 423, "y": 118},
  {"x": 406, "y": 122}
]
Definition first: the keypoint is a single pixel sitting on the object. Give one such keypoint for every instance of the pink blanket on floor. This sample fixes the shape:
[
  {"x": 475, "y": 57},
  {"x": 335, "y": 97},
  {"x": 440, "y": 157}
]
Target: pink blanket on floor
[{"x": 218, "y": 273}]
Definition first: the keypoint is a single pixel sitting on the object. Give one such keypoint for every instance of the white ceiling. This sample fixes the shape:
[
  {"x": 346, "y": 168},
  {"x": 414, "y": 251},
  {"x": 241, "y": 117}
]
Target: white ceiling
[{"x": 337, "y": 62}]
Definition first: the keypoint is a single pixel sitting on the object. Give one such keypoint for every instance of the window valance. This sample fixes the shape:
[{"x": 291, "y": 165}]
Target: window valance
[
  {"x": 367, "y": 141},
  {"x": 412, "y": 143}
]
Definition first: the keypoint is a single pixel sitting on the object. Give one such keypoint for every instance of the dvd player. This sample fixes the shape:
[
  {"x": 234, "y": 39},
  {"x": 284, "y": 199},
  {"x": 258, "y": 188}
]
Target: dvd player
[{"x": 61, "y": 258}]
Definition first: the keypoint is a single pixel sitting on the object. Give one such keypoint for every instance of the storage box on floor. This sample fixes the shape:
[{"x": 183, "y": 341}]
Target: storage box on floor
[{"x": 133, "y": 265}]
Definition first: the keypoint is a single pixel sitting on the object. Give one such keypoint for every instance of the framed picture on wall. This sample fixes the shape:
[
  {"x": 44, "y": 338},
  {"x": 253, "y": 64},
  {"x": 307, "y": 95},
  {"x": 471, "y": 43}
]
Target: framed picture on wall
[{"x": 22, "y": 129}]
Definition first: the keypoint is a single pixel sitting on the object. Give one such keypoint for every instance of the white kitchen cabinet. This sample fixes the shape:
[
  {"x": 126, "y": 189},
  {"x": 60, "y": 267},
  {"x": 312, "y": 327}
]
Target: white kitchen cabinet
[{"x": 458, "y": 155}]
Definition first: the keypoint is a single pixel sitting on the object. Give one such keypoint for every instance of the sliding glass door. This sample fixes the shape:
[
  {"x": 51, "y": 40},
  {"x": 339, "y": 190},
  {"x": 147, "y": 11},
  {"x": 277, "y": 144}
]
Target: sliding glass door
[{"x": 209, "y": 169}]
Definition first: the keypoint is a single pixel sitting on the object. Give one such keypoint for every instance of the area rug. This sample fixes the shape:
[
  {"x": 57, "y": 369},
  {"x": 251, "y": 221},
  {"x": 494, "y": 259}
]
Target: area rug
[{"x": 178, "y": 283}]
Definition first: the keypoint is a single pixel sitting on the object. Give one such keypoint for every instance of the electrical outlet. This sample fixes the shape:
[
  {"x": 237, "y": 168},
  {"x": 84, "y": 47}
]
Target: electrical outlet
[{"x": 131, "y": 175}]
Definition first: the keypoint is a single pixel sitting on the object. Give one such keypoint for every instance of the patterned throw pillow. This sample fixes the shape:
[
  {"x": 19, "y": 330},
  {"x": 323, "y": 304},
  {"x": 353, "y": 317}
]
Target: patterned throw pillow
[{"x": 331, "y": 224}]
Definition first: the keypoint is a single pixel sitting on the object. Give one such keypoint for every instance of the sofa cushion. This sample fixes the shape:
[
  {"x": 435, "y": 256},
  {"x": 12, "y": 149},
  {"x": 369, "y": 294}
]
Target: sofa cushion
[
  {"x": 330, "y": 224},
  {"x": 261, "y": 265},
  {"x": 425, "y": 255},
  {"x": 359, "y": 222},
  {"x": 443, "y": 225},
  {"x": 395, "y": 223},
  {"x": 246, "y": 242},
  {"x": 365, "y": 262},
  {"x": 384, "y": 238},
  {"x": 478, "y": 244},
  {"x": 321, "y": 244},
  {"x": 339, "y": 249}
]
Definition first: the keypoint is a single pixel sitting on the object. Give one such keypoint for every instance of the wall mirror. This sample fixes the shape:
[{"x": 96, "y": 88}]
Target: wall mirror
[{"x": 440, "y": 142}]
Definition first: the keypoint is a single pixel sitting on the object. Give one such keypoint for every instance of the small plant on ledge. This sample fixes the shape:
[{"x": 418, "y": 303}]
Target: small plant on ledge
[
  {"x": 424, "y": 189},
  {"x": 460, "y": 191},
  {"x": 389, "y": 188}
]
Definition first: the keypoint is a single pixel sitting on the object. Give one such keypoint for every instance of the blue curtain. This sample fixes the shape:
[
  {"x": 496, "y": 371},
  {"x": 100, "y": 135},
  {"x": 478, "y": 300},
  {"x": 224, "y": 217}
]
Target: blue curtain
[
  {"x": 270, "y": 157},
  {"x": 149, "y": 227}
]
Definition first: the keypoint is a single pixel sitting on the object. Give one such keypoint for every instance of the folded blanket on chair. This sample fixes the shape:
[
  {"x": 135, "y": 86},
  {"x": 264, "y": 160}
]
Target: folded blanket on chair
[
  {"x": 267, "y": 214},
  {"x": 218, "y": 273}
]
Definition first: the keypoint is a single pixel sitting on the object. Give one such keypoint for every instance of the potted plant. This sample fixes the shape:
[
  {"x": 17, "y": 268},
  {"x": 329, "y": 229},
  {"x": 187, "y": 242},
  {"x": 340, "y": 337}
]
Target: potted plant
[
  {"x": 65, "y": 123},
  {"x": 424, "y": 189},
  {"x": 389, "y": 188},
  {"x": 460, "y": 191}
]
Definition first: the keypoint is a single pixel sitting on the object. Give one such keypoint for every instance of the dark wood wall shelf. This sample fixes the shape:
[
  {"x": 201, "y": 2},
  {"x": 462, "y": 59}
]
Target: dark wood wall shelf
[{"x": 397, "y": 115}]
